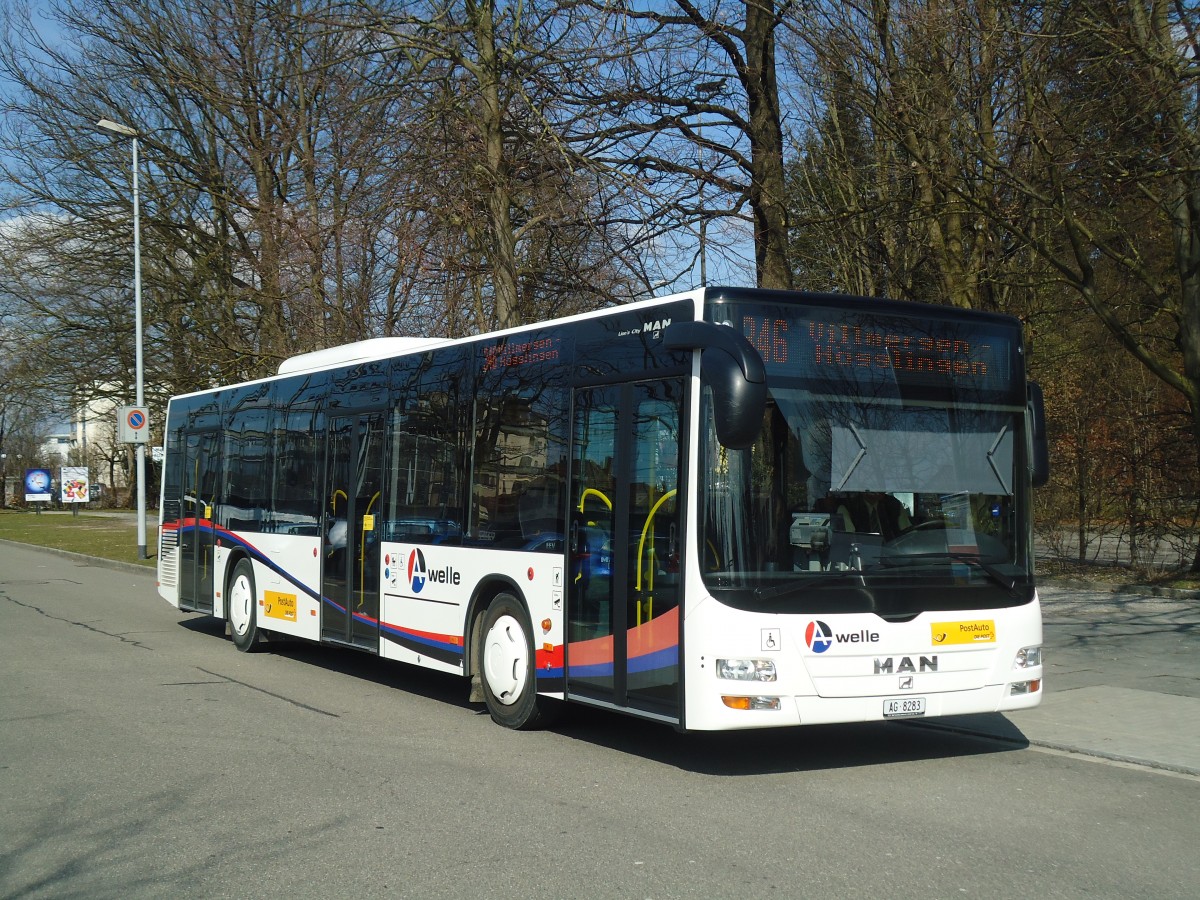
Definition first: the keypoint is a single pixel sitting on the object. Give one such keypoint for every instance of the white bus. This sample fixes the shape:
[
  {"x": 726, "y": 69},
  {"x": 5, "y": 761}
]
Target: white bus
[{"x": 728, "y": 508}]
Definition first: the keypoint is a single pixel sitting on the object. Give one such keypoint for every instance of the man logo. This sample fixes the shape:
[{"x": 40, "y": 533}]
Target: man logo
[
  {"x": 416, "y": 571},
  {"x": 818, "y": 637}
]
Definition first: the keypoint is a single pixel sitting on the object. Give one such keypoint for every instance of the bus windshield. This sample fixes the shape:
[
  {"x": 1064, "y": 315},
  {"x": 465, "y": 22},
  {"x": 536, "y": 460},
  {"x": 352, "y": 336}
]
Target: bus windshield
[{"x": 890, "y": 472}]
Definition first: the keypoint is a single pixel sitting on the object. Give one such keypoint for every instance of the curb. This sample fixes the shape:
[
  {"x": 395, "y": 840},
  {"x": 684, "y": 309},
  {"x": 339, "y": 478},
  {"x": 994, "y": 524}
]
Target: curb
[
  {"x": 935, "y": 725},
  {"x": 99, "y": 561}
]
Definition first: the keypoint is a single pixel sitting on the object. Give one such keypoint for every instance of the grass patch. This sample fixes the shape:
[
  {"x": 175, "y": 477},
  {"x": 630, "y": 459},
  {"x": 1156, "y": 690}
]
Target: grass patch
[
  {"x": 1050, "y": 568},
  {"x": 109, "y": 537},
  {"x": 1187, "y": 582}
]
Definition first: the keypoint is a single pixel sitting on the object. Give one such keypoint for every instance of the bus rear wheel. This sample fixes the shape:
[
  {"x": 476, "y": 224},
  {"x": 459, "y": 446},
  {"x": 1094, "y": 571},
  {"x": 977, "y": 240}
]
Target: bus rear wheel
[
  {"x": 506, "y": 664},
  {"x": 243, "y": 607}
]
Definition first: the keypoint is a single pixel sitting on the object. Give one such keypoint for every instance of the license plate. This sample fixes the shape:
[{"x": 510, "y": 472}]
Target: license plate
[{"x": 900, "y": 707}]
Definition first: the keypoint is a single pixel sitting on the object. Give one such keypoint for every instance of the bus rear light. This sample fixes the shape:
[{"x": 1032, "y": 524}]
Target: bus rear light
[{"x": 751, "y": 702}]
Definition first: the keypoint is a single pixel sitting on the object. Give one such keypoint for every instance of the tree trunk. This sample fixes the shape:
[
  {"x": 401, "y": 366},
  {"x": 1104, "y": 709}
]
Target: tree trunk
[
  {"x": 501, "y": 242},
  {"x": 767, "y": 186}
]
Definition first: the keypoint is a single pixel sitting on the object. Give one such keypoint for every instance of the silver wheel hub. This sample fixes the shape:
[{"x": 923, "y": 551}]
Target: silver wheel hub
[
  {"x": 241, "y": 600},
  {"x": 506, "y": 660}
]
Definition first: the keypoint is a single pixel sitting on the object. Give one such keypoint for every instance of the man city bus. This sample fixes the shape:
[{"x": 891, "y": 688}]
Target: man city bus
[{"x": 727, "y": 508}]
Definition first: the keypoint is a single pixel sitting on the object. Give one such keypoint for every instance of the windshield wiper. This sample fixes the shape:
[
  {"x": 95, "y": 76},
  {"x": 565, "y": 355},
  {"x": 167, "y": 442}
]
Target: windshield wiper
[
  {"x": 815, "y": 583},
  {"x": 1006, "y": 581}
]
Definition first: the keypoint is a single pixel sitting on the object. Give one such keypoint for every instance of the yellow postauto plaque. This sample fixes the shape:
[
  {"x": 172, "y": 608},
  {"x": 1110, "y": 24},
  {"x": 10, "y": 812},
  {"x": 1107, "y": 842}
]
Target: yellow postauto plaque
[
  {"x": 279, "y": 606},
  {"x": 981, "y": 631}
]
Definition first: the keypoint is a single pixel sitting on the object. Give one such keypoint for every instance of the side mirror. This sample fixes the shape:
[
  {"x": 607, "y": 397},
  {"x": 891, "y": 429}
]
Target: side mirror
[
  {"x": 731, "y": 366},
  {"x": 1040, "y": 458}
]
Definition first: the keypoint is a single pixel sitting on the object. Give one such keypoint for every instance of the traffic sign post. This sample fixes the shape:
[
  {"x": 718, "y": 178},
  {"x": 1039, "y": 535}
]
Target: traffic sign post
[{"x": 133, "y": 425}]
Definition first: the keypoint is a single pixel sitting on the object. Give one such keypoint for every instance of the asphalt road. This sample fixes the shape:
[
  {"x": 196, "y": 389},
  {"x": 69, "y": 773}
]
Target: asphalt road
[{"x": 140, "y": 755}]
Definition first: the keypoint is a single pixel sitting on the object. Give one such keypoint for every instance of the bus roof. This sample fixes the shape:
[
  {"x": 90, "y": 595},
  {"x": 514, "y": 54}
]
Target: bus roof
[{"x": 359, "y": 351}]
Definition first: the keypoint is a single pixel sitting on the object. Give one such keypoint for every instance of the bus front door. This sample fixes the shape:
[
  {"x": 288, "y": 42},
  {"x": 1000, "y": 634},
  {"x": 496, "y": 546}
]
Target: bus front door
[
  {"x": 197, "y": 537},
  {"x": 351, "y": 531},
  {"x": 623, "y": 628}
]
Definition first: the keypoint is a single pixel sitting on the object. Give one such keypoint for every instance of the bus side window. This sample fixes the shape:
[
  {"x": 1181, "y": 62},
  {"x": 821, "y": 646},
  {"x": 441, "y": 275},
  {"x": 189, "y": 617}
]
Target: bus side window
[
  {"x": 425, "y": 490},
  {"x": 298, "y": 454},
  {"x": 520, "y": 450}
]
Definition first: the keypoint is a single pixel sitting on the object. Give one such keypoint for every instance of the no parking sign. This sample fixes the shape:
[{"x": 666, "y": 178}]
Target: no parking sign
[{"x": 133, "y": 425}]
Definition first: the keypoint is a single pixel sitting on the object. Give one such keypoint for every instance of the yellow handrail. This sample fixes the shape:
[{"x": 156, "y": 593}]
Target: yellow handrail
[
  {"x": 583, "y": 498},
  {"x": 637, "y": 585}
]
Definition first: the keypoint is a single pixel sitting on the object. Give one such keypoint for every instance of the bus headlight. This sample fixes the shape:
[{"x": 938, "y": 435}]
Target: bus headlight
[
  {"x": 1028, "y": 658},
  {"x": 746, "y": 669}
]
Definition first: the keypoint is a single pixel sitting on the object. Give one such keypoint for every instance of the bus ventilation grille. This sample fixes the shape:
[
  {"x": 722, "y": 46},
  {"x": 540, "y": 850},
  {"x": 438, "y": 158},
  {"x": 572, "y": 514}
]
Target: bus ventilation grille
[{"x": 168, "y": 562}]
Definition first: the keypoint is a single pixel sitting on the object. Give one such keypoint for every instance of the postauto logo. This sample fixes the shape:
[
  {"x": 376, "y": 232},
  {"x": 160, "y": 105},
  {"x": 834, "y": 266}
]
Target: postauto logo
[{"x": 820, "y": 637}]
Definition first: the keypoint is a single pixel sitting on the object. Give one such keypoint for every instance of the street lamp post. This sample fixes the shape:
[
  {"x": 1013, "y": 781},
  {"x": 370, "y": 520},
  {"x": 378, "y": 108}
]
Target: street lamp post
[{"x": 132, "y": 134}]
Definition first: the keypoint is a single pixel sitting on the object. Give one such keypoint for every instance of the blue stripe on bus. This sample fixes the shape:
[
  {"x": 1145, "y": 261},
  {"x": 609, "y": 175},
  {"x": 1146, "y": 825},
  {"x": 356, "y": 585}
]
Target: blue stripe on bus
[
  {"x": 218, "y": 532},
  {"x": 660, "y": 660}
]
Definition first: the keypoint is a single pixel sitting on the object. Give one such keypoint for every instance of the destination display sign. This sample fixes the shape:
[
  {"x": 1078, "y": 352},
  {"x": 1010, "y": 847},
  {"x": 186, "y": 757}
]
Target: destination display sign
[
  {"x": 834, "y": 346},
  {"x": 508, "y": 354}
]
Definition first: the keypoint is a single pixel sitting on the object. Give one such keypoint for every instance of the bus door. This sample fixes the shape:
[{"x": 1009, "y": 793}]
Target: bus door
[
  {"x": 623, "y": 547},
  {"x": 197, "y": 537},
  {"x": 351, "y": 529}
]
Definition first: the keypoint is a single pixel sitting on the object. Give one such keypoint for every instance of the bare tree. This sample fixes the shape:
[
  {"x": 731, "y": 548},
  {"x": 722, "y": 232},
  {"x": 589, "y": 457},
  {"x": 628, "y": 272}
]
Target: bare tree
[
  {"x": 526, "y": 225},
  {"x": 269, "y": 196},
  {"x": 911, "y": 100},
  {"x": 1108, "y": 153},
  {"x": 685, "y": 98},
  {"x": 1018, "y": 152}
]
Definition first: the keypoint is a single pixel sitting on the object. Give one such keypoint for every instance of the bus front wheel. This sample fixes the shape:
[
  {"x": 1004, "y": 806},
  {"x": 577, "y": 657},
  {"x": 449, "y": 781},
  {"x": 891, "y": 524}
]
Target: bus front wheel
[
  {"x": 243, "y": 607},
  {"x": 506, "y": 663}
]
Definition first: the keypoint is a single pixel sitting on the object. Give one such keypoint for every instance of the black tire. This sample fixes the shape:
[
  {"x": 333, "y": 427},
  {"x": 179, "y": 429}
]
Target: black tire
[
  {"x": 506, "y": 666},
  {"x": 241, "y": 600}
]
